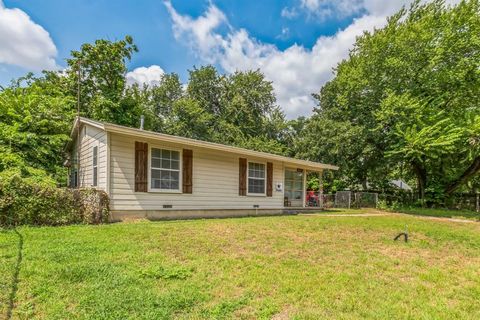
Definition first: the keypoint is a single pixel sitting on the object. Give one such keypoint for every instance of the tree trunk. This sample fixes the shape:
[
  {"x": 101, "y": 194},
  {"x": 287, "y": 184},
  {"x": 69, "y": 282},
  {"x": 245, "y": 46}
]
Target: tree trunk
[
  {"x": 364, "y": 184},
  {"x": 471, "y": 171},
  {"x": 421, "y": 174}
]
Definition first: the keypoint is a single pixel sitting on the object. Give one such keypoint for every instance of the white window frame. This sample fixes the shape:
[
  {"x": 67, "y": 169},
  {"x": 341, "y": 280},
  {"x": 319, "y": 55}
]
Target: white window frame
[
  {"x": 264, "y": 179},
  {"x": 94, "y": 165},
  {"x": 180, "y": 166}
]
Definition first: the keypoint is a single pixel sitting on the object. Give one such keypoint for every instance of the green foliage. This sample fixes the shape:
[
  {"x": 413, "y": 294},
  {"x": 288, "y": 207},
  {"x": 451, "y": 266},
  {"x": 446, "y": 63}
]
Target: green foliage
[
  {"x": 226, "y": 309},
  {"x": 313, "y": 183},
  {"x": 405, "y": 102},
  {"x": 237, "y": 109},
  {"x": 26, "y": 201},
  {"x": 99, "y": 70},
  {"x": 35, "y": 119},
  {"x": 189, "y": 119},
  {"x": 392, "y": 206},
  {"x": 169, "y": 273}
]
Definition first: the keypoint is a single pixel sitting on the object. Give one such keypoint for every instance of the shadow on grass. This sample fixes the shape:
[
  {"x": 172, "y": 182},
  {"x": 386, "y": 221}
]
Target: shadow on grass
[{"x": 14, "y": 288}]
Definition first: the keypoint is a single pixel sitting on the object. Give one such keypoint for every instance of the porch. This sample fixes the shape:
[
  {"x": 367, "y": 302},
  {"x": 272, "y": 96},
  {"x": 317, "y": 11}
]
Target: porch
[{"x": 298, "y": 194}]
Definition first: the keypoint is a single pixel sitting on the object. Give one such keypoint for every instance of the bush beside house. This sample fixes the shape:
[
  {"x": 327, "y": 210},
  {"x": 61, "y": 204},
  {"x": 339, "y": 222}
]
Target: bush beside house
[{"x": 23, "y": 201}]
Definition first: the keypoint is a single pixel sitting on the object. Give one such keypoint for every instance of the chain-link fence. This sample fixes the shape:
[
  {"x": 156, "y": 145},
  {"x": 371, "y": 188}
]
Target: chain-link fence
[
  {"x": 328, "y": 201},
  {"x": 458, "y": 201},
  {"x": 365, "y": 200},
  {"x": 343, "y": 199},
  {"x": 349, "y": 199},
  {"x": 464, "y": 201}
]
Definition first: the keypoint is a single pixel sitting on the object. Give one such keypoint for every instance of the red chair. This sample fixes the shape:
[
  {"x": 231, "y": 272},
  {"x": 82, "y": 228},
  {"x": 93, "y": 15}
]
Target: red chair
[{"x": 312, "y": 199}]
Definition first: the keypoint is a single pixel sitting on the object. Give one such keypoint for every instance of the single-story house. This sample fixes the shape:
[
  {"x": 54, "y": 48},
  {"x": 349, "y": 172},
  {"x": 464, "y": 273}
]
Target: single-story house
[{"x": 158, "y": 176}]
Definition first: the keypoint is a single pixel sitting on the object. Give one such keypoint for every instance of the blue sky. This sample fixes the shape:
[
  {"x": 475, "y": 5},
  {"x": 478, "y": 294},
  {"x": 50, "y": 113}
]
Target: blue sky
[{"x": 296, "y": 43}]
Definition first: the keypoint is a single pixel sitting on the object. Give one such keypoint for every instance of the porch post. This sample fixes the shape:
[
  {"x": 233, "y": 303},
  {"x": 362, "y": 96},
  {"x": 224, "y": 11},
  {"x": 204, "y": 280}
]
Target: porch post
[
  {"x": 320, "y": 189},
  {"x": 304, "y": 194}
]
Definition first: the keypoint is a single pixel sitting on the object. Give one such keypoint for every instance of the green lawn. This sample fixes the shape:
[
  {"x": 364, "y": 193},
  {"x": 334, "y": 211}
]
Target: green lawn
[{"x": 286, "y": 267}]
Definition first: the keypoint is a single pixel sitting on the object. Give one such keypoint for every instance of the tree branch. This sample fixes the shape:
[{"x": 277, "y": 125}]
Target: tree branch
[{"x": 472, "y": 170}]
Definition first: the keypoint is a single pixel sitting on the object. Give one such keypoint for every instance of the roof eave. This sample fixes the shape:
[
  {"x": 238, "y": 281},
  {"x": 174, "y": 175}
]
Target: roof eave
[{"x": 309, "y": 165}]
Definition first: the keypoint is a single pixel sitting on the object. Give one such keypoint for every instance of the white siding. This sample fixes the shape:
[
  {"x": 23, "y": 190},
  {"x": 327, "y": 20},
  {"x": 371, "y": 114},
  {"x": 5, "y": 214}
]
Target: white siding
[
  {"x": 215, "y": 181},
  {"x": 91, "y": 137}
]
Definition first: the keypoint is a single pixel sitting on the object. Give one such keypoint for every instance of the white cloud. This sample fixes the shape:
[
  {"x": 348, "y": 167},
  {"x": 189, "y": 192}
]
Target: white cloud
[
  {"x": 23, "y": 42},
  {"x": 296, "y": 72},
  {"x": 328, "y": 8},
  {"x": 344, "y": 8},
  {"x": 198, "y": 32},
  {"x": 284, "y": 34},
  {"x": 145, "y": 75},
  {"x": 289, "y": 13}
]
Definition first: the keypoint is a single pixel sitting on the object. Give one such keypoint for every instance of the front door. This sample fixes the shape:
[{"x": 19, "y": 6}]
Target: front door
[{"x": 293, "y": 188}]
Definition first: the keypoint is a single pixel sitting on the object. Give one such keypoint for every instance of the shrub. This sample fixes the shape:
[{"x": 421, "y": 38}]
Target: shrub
[
  {"x": 23, "y": 201},
  {"x": 389, "y": 205},
  {"x": 91, "y": 204}
]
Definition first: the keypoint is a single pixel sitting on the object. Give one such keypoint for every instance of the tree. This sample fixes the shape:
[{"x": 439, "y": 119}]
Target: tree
[
  {"x": 101, "y": 68},
  {"x": 407, "y": 94},
  {"x": 238, "y": 109},
  {"x": 189, "y": 119},
  {"x": 166, "y": 93},
  {"x": 35, "y": 119},
  {"x": 249, "y": 102}
]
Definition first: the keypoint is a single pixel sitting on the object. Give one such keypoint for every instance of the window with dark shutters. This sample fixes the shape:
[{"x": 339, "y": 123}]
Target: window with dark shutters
[
  {"x": 141, "y": 166},
  {"x": 187, "y": 178},
  {"x": 242, "y": 172}
]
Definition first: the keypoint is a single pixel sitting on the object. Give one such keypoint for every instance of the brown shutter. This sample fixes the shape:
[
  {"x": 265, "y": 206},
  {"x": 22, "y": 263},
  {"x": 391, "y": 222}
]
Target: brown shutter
[
  {"x": 242, "y": 174},
  {"x": 141, "y": 166},
  {"x": 269, "y": 179},
  {"x": 187, "y": 160}
]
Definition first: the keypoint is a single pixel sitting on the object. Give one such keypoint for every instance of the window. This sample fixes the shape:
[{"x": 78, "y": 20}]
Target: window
[
  {"x": 95, "y": 166},
  {"x": 256, "y": 178},
  {"x": 74, "y": 168},
  {"x": 165, "y": 170}
]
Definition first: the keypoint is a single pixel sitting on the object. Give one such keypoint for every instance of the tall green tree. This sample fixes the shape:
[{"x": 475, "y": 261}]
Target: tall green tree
[
  {"x": 238, "y": 109},
  {"x": 406, "y": 96},
  {"x": 35, "y": 119},
  {"x": 98, "y": 72}
]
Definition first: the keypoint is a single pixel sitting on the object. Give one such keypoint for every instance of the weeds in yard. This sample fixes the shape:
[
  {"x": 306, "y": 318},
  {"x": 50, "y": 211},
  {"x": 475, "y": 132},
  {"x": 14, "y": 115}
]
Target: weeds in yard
[{"x": 159, "y": 272}]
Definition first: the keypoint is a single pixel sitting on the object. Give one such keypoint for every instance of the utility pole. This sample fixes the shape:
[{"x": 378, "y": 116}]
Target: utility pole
[{"x": 77, "y": 171}]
